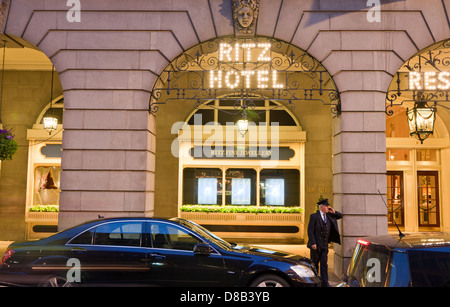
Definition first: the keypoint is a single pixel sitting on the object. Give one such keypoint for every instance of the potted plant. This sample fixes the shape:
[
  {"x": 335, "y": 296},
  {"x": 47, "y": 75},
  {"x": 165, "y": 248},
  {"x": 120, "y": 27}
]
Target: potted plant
[{"x": 8, "y": 146}]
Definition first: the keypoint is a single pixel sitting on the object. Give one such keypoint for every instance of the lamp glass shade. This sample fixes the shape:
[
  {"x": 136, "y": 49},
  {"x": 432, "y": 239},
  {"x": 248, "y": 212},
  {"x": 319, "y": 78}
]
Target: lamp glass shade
[
  {"x": 242, "y": 125},
  {"x": 421, "y": 121},
  {"x": 50, "y": 123}
]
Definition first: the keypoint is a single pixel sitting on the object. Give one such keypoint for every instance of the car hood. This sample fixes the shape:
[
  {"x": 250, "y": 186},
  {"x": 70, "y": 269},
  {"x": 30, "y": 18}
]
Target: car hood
[{"x": 267, "y": 252}]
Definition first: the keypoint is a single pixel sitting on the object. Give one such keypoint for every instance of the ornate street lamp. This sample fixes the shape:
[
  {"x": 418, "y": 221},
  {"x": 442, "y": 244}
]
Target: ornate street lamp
[{"x": 421, "y": 120}]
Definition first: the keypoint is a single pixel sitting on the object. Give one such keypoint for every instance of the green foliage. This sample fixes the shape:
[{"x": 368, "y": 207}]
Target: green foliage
[
  {"x": 44, "y": 208},
  {"x": 8, "y": 146},
  {"x": 239, "y": 209}
]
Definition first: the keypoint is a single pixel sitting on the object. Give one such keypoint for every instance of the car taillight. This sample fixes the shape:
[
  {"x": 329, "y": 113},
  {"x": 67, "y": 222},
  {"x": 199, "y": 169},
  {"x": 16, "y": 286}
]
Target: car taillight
[
  {"x": 7, "y": 255},
  {"x": 363, "y": 242}
]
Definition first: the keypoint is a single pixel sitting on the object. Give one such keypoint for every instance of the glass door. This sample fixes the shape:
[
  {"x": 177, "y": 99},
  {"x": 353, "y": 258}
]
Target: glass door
[
  {"x": 395, "y": 198},
  {"x": 428, "y": 198}
]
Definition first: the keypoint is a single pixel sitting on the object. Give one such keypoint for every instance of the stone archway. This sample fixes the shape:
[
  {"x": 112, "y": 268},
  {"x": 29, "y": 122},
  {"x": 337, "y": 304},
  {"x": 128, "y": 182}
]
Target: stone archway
[
  {"x": 294, "y": 79},
  {"x": 29, "y": 85},
  {"x": 420, "y": 206}
]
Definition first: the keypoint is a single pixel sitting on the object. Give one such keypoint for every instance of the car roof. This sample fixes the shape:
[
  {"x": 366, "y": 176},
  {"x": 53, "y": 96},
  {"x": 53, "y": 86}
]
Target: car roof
[
  {"x": 68, "y": 233},
  {"x": 420, "y": 240}
]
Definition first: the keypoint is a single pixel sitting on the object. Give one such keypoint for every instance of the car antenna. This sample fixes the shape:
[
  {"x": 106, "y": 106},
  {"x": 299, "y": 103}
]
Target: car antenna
[{"x": 400, "y": 234}]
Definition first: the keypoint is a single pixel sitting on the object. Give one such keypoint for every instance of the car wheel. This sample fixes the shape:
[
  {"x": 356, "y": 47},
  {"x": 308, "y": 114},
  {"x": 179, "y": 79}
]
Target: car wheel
[
  {"x": 269, "y": 281},
  {"x": 55, "y": 281}
]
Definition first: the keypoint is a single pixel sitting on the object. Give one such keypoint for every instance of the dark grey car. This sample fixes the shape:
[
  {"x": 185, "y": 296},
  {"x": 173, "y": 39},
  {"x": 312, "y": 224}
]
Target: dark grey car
[{"x": 411, "y": 260}]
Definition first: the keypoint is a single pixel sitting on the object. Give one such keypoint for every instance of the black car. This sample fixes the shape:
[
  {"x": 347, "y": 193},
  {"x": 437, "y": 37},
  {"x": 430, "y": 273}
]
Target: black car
[
  {"x": 153, "y": 252},
  {"x": 405, "y": 260}
]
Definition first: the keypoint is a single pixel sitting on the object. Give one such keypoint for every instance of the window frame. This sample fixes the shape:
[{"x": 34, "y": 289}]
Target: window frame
[{"x": 93, "y": 230}]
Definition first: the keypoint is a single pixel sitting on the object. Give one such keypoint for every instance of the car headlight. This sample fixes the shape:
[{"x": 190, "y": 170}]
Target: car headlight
[{"x": 303, "y": 271}]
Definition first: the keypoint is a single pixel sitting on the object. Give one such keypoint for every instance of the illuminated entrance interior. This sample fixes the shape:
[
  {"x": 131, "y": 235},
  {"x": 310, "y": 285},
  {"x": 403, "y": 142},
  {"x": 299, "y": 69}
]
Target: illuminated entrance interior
[
  {"x": 199, "y": 101},
  {"x": 232, "y": 184},
  {"x": 417, "y": 180},
  {"x": 29, "y": 183}
]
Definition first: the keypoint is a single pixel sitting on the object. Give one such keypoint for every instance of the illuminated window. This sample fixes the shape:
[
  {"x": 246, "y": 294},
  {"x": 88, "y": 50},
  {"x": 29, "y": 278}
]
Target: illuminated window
[
  {"x": 228, "y": 111},
  {"x": 280, "y": 187},
  {"x": 202, "y": 186},
  {"x": 240, "y": 187},
  {"x": 426, "y": 155},
  {"x": 46, "y": 185},
  {"x": 397, "y": 154}
]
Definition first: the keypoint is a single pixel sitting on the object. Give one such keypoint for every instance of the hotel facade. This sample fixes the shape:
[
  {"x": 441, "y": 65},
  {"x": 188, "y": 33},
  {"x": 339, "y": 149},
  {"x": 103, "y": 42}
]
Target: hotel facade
[{"x": 238, "y": 115}]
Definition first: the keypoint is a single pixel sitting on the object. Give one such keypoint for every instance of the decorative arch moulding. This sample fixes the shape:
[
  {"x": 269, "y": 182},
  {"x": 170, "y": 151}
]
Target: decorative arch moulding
[
  {"x": 423, "y": 77},
  {"x": 245, "y": 69}
]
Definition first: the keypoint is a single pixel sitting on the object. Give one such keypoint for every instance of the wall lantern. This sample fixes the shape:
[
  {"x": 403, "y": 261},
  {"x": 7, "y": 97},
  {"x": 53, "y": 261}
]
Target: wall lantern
[
  {"x": 50, "y": 124},
  {"x": 421, "y": 120},
  {"x": 242, "y": 124}
]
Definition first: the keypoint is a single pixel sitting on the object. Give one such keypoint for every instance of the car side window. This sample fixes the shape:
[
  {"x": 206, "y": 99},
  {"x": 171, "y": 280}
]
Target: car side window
[
  {"x": 119, "y": 234},
  {"x": 429, "y": 268},
  {"x": 171, "y": 237},
  {"x": 84, "y": 238}
]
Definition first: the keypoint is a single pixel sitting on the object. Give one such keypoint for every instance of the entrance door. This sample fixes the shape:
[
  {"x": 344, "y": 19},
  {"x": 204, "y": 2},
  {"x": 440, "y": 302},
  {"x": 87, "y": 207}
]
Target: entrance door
[
  {"x": 395, "y": 198},
  {"x": 428, "y": 198}
]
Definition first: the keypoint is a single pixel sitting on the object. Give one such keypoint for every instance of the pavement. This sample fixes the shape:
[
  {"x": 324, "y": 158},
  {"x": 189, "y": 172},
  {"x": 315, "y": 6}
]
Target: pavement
[{"x": 299, "y": 249}]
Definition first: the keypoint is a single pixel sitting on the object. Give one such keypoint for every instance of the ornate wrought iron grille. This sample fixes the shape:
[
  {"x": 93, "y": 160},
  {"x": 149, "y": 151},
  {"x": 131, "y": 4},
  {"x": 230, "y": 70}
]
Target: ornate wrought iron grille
[
  {"x": 423, "y": 78},
  {"x": 271, "y": 70}
]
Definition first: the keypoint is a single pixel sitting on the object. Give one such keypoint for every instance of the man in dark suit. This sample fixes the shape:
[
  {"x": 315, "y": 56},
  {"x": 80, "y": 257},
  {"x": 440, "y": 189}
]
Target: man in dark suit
[{"x": 323, "y": 229}]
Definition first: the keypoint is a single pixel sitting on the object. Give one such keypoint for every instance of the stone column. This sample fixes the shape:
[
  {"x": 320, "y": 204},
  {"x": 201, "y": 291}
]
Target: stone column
[
  {"x": 108, "y": 158},
  {"x": 359, "y": 171}
]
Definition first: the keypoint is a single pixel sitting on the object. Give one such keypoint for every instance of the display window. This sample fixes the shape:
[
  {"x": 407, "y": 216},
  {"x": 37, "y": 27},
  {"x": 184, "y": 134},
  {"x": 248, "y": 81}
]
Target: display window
[
  {"x": 280, "y": 187},
  {"x": 46, "y": 186},
  {"x": 202, "y": 186},
  {"x": 277, "y": 187},
  {"x": 240, "y": 187}
]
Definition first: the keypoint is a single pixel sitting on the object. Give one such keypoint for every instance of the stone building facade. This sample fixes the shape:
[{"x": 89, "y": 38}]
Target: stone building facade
[{"x": 109, "y": 54}]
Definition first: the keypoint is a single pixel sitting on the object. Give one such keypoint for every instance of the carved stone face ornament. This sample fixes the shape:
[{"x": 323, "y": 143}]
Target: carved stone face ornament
[{"x": 245, "y": 14}]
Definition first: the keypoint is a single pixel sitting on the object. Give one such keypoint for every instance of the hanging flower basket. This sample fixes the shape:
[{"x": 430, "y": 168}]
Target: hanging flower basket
[{"x": 8, "y": 146}]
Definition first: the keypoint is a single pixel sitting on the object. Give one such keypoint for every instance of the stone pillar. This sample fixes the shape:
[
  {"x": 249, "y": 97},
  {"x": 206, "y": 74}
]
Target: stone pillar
[
  {"x": 359, "y": 171},
  {"x": 108, "y": 158}
]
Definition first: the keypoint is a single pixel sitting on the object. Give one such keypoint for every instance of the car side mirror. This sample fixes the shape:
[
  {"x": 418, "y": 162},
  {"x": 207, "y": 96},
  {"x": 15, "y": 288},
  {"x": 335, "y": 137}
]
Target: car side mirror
[{"x": 202, "y": 249}]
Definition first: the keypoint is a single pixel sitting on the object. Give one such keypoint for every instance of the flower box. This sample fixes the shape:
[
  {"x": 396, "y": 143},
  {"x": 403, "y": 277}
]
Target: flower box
[
  {"x": 248, "y": 227},
  {"x": 38, "y": 223}
]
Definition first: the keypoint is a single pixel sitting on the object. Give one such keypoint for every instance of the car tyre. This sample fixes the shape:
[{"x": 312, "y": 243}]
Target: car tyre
[
  {"x": 55, "y": 281},
  {"x": 269, "y": 280}
]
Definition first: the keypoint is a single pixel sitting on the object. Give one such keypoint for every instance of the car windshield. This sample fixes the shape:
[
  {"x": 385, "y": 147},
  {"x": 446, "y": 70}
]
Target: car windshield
[
  {"x": 368, "y": 266},
  {"x": 205, "y": 233}
]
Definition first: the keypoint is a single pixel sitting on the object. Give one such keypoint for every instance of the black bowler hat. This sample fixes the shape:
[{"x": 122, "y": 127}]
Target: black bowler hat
[{"x": 324, "y": 202}]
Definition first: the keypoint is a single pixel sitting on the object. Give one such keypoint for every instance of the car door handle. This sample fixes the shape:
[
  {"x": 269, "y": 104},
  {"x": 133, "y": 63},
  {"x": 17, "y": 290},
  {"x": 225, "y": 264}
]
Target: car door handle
[{"x": 158, "y": 257}]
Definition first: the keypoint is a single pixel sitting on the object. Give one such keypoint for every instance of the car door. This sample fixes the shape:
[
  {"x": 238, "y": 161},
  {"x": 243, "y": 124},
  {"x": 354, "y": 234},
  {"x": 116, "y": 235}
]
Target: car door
[
  {"x": 172, "y": 260},
  {"x": 116, "y": 254}
]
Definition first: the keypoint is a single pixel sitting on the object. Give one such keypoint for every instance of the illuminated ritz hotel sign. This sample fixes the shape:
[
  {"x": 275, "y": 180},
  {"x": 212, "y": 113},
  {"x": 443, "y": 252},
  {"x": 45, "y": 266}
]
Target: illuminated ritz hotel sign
[
  {"x": 245, "y": 69},
  {"x": 241, "y": 57}
]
